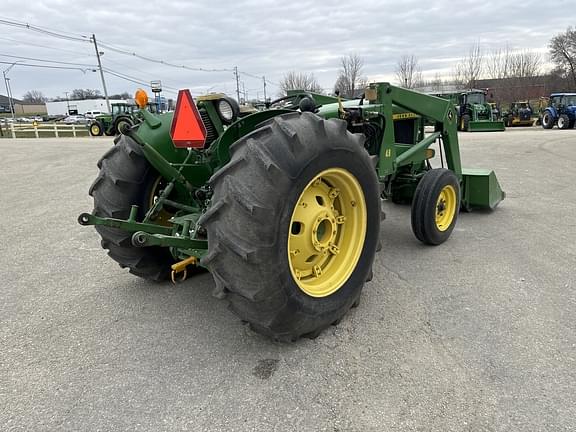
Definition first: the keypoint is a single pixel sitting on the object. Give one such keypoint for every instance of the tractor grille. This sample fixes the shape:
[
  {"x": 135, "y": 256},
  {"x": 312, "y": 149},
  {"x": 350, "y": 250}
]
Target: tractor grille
[{"x": 211, "y": 134}]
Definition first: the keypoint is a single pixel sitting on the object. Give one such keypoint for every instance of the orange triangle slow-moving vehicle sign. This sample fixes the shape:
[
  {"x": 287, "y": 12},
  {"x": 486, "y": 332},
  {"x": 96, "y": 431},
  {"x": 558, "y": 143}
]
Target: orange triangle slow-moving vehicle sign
[{"x": 187, "y": 129}]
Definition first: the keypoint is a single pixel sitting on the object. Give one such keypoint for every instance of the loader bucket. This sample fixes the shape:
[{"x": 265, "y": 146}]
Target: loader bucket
[
  {"x": 480, "y": 189},
  {"x": 486, "y": 126}
]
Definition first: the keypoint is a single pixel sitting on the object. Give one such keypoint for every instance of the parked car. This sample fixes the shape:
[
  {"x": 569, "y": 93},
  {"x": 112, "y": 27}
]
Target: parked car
[
  {"x": 93, "y": 114},
  {"x": 75, "y": 119}
]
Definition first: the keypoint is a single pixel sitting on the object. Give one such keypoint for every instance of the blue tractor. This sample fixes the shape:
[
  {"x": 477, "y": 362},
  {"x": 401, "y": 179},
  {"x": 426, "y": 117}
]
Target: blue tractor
[{"x": 561, "y": 110}]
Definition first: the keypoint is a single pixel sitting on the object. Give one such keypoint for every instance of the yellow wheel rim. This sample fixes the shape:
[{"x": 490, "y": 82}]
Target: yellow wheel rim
[
  {"x": 446, "y": 208},
  {"x": 95, "y": 129},
  {"x": 163, "y": 216},
  {"x": 327, "y": 232}
]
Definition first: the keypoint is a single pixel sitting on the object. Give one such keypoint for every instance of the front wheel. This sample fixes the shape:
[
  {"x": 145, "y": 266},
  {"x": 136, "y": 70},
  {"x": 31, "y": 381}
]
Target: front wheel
[
  {"x": 547, "y": 120},
  {"x": 294, "y": 225},
  {"x": 96, "y": 129},
  {"x": 435, "y": 206}
]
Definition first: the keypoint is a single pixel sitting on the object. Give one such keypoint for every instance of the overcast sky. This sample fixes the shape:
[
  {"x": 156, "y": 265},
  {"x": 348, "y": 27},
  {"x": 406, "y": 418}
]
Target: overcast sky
[{"x": 262, "y": 37}]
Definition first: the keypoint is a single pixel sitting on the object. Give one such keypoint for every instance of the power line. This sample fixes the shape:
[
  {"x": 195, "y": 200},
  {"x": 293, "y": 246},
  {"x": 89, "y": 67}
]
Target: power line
[
  {"x": 259, "y": 78},
  {"x": 162, "y": 62},
  {"x": 45, "y": 46},
  {"x": 37, "y": 29},
  {"x": 47, "y": 61},
  {"x": 140, "y": 80},
  {"x": 46, "y": 66}
]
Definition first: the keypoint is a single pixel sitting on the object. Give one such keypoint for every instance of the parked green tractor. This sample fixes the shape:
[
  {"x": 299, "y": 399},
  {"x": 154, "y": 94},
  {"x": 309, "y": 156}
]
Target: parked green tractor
[
  {"x": 282, "y": 206},
  {"x": 475, "y": 114},
  {"x": 124, "y": 115}
]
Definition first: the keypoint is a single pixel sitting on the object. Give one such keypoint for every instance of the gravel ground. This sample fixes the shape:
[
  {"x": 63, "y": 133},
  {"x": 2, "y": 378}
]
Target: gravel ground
[{"x": 477, "y": 334}]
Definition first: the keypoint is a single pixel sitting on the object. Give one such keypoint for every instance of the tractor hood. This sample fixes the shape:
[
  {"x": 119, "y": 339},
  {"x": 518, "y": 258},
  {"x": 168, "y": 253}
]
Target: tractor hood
[{"x": 331, "y": 110}]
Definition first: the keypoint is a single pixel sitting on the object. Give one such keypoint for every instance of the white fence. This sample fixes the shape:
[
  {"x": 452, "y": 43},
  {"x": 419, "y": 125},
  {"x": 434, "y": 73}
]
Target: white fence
[{"x": 44, "y": 130}]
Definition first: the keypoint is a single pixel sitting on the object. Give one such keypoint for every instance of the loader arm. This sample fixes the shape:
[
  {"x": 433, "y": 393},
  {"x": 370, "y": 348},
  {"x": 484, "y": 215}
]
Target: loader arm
[{"x": 432, "y": 107}]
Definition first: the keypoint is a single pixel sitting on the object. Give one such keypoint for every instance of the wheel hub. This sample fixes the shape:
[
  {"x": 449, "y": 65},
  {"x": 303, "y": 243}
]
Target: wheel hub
[
  {"x": 446, "y": 208},
  {"x": 327, "y": 232}
]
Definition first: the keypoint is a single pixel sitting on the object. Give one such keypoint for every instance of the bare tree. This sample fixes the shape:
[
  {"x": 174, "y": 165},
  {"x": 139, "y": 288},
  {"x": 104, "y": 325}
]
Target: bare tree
[
  {"x": 563, "y": 54},
  {"x": 80, "y": 94},
  {"x": 34, "y": 96},
  {"x": 498, "y": 63},
  {"x": 408, "y": 72},
  {"x": 471, "y": 66},
  {"x": 299, "y": 81},
  {"x": 437, "y": 84},
  {"x": 350, "y": 76}
]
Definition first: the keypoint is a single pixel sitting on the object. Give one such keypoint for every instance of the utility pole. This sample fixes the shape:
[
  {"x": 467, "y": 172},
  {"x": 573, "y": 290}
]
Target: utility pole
[
  {"x": 8, "y": 89},
  {"x": 101, "y": 72},
  {"x": 8, "y": 94},
  {"x": 67, "y": 104},
  {"x": 264, "y": 81},
  {"x": 237, "y": 83}
]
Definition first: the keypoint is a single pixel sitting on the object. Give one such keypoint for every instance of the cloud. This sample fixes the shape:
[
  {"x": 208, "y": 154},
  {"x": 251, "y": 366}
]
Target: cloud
[{"x": 263, "y": 38}]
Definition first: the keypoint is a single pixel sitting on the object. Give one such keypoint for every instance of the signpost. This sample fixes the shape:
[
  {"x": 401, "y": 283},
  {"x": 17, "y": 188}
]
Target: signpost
[{"x": 156, "y": 87}]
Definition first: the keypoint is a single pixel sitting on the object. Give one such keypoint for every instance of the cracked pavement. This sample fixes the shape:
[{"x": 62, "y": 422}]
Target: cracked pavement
[{"x": 477, "y": 334}]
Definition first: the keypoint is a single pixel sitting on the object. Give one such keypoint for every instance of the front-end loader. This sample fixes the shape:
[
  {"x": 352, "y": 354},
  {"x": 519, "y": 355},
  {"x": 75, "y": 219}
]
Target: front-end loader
[
  {"x": 475, "y": 114},
  {"x": 283, "y": 206}
]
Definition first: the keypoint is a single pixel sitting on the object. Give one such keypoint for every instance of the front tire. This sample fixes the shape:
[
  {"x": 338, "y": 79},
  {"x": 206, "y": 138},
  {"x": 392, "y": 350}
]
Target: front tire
[
  {"x": 126, "y": 178},
  {"x": 96, "y": 129},
  {"x": 547, "y": 120},
  {"x": 297, "y": 195},
  {"x": 435, "y": 206}
]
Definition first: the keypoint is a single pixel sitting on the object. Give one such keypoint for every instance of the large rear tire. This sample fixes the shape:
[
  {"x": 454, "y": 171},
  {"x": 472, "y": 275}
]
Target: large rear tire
[
  {"x": 563, "y": 122},
  {"x": 294, "y": 225},
  {"x": 122, "y": 124},
  {"x": 126, "y": 178}
]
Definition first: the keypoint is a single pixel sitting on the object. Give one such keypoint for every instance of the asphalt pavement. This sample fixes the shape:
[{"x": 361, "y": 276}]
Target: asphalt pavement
[{"x": 477, "y": 334}]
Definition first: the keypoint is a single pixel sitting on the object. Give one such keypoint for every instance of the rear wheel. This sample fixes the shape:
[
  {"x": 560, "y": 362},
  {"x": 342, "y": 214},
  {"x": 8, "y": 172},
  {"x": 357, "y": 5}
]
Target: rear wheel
[
  {"x": 96, "y": 129},
  {"x": 122, "y": 124},
  {"x": 563, "y": 122},
  {"x": 435, "y": 206},
  {"x": 547, "y": 120},
  {"x": 125, "y": 179},
  {"x": 294, "y": 225}
]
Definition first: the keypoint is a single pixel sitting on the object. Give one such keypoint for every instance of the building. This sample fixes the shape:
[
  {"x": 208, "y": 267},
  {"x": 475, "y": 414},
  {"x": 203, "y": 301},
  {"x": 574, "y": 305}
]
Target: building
[
  {"x": 5, "y": 104},
  {"x": 61, "y": 108},
  {"x": 508, "y": 90}
]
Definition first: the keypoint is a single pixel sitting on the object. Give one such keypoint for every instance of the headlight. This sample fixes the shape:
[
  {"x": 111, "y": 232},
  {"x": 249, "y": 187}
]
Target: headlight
[{"x": 228, "y": 110}]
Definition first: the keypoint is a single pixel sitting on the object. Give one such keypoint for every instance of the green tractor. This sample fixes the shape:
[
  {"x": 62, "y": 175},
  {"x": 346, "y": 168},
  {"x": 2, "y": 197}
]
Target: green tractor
[
  {"x": 283, "y": 206},
  {"x": 475, "y": 114},
  {"x": 124, "y": 115}
]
